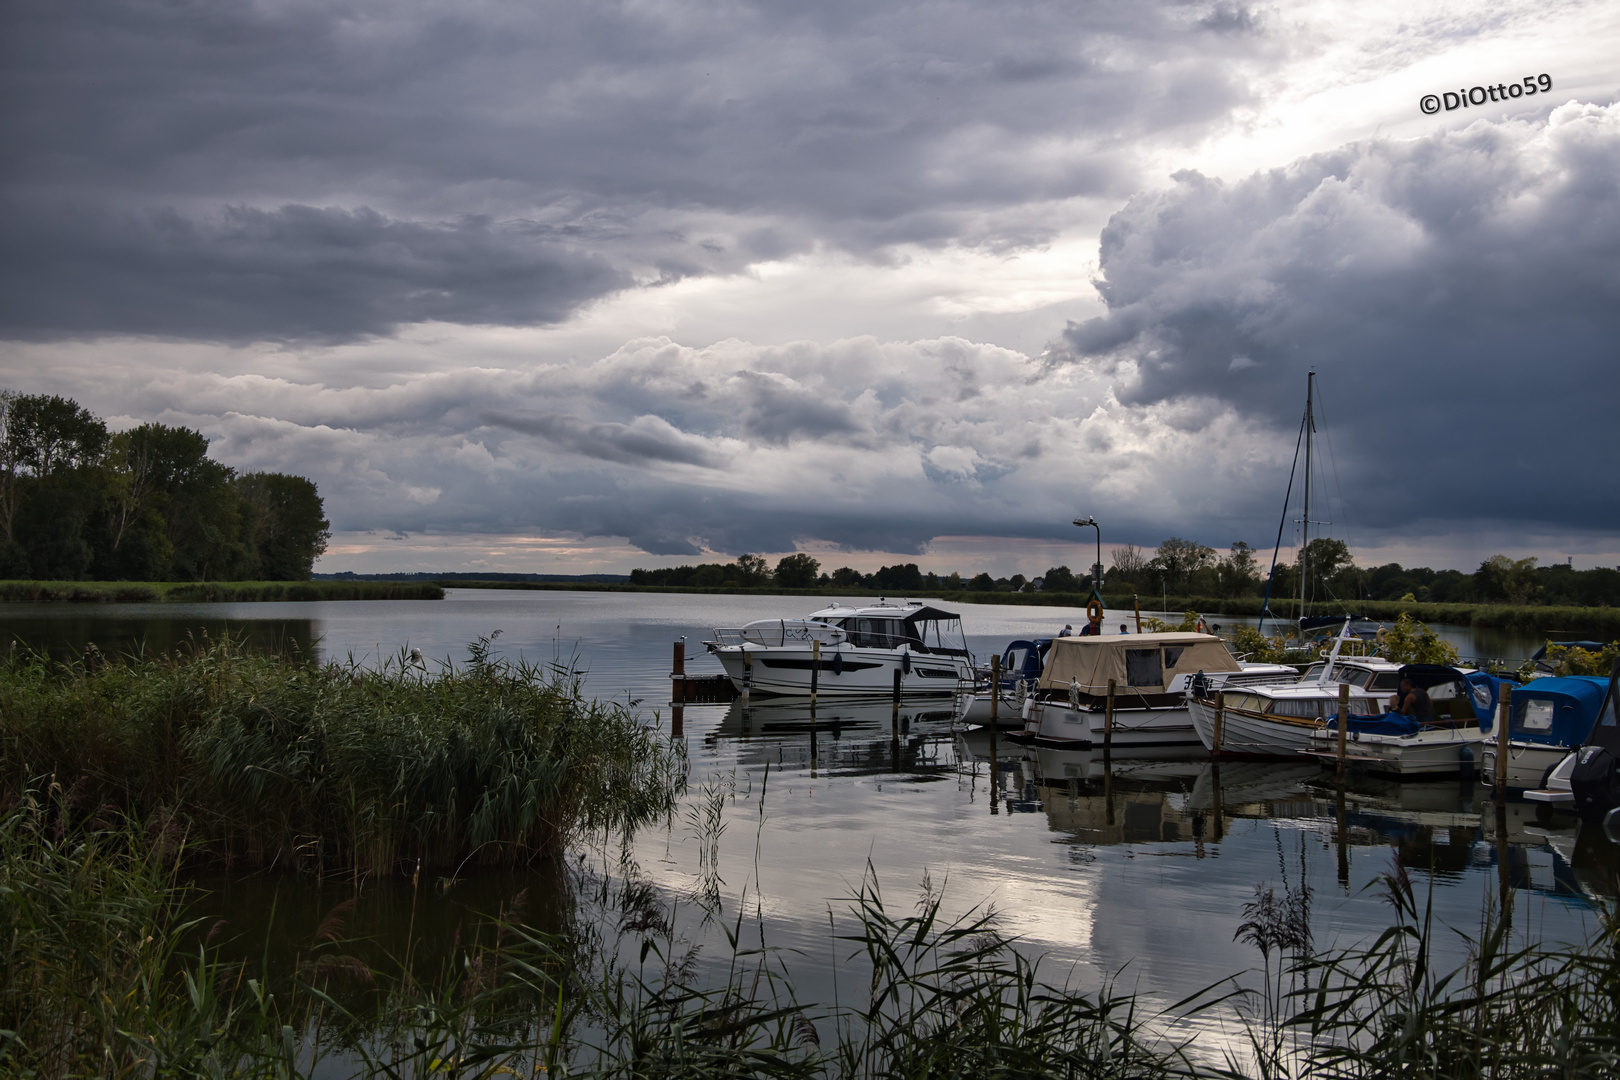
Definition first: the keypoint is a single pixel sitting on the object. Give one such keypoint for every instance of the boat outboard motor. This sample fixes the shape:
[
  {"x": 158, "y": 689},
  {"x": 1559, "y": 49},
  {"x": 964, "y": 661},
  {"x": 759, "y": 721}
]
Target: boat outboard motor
[{"x": 1595, "y": 779}]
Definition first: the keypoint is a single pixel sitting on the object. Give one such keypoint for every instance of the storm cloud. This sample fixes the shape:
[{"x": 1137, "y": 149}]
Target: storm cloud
[
  {"x": 1459, "y": 294},
  {"x": 292, "y": 170},
  {"x": 295, "y": 272}
]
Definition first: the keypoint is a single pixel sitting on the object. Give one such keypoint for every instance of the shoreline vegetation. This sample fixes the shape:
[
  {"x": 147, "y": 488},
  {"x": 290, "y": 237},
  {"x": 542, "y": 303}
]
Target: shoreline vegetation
[
  {"x": 210, "y": 592},
  {"x": 264, "y": 761}
]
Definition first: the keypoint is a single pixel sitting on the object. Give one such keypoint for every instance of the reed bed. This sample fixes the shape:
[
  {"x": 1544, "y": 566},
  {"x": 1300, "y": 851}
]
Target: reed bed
[{"x": 273, "y": 761}]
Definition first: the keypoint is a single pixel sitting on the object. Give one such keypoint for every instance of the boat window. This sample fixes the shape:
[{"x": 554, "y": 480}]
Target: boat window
[
  {"x": 1536, "y": 716},
  {"x": 1385, "y": 680},
  {"x": 1172, "y": 654},
  {"x": 1355, "y": 677},
  {"x": 1314, "y": 671},
  {"x": 1143, "y": 668},
  {"x": 1015, "y": 659},
  {"x": 1307, "y": 707}
]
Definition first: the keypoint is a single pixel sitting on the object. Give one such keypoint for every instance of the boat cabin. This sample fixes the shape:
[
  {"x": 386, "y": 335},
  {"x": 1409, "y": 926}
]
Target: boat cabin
[
  {"x": 1139, "y": 664},
  {"x": 925, "y": 629},
  {"x": 1558, "y": 711}
]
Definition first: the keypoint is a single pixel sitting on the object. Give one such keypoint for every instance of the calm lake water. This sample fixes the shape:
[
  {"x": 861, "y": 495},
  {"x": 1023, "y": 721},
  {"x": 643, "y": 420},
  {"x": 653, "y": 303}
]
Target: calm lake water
[{"x": 1142, "y": 875}]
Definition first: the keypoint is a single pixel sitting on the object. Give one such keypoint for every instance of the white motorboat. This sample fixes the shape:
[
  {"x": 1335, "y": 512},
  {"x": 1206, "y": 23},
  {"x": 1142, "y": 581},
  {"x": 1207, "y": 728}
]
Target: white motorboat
[
  {"x": 1276, "y": 717},
  {"x": 1551, "y": 717},
  {"x": 1151, "y": 674},
  {"x": 848, "y": 650},
  {"x": 1444, "y": 744}
]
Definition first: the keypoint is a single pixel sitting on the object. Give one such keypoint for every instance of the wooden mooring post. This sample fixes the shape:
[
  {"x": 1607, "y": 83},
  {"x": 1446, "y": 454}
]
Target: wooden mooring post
[
  {"x": 1504, "y": 722},
  {"x": 1344, "y": 725},
  {"x": 1220, "y": 723}
]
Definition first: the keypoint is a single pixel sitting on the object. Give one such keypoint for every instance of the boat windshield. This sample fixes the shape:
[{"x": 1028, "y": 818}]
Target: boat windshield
[{"x": 937, "y": 633}]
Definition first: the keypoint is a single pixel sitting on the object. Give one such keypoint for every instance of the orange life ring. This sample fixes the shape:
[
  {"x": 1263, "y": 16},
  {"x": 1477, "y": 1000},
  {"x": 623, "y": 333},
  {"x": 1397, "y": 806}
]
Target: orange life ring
[{"x": 1094, "y": 610}]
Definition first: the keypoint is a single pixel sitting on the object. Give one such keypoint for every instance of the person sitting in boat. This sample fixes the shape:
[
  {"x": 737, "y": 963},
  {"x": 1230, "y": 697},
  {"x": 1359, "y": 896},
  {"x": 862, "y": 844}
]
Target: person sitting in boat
[
  {"x": 1091, "y": 629},
  {"x": 1067, "y": 631},
  {"x": 1122, "y": 629},
  {"x": 1411, "y": 701}
]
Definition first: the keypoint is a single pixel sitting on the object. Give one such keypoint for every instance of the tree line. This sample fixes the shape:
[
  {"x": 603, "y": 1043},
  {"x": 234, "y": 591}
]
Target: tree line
[
  {"x": 78, "y": 502},
  {"x": 1186, "y": 568}
]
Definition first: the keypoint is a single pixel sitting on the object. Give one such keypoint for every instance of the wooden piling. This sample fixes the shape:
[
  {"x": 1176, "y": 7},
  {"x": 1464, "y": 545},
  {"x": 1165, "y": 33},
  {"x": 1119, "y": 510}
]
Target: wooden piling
[
  {"x": 1108, "y": 724},
  {"x": 1137, "y": 604},
  {"x": 1344, "y": 722},
  {"x": 894, "y": 711},
  {"x": 1504, "y": 721},
  {"x": 1220, "y": 722},
  {"x": 677, "y": 673}
]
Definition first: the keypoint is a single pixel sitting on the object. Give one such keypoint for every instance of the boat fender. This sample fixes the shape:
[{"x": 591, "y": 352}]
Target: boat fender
[
  {"x": 1074, "y": 694},
  {"x": 1611, "y": 825},
  {"x": 838, "y": 663},
  {"x": 1094, "y": 610},
  {"x": 905, "y": 662}
]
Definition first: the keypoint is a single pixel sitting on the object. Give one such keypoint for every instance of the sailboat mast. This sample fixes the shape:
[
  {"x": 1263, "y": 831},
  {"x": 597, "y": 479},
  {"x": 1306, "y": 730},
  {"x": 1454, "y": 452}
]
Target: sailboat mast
[{"x": 1305, "y": 518}]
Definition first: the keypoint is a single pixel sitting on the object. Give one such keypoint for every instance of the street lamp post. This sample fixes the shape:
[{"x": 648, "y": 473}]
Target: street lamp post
[{"x": 1096, "y": 570}]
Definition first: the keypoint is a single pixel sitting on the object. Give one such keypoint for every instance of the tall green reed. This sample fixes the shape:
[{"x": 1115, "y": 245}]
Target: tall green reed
[{"x": 275, "y": 761}]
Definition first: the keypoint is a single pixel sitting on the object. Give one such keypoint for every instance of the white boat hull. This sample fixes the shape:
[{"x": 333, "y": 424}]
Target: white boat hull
[
  {"x": 1249, "y": 735},
  {"x": 844, "y": 670},
  {"x": 1057, "y": 723},
  {"x": 1528, "y": 765},
  {"x": 1436, "y": 752}
]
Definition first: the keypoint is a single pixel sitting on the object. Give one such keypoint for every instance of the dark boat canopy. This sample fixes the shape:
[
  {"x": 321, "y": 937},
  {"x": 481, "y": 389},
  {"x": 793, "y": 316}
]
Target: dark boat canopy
[{"x": 928, "y": 613}]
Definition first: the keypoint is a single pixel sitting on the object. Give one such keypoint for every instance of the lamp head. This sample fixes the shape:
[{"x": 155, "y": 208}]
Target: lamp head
[{"x": 1086, "y": 522}]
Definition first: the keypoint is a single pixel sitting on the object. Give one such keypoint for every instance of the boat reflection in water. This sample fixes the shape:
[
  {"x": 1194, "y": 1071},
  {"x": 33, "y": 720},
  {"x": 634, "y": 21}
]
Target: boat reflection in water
[
  {"x": 1447, "y": 827},
  {"x": 846, "y": 735}
]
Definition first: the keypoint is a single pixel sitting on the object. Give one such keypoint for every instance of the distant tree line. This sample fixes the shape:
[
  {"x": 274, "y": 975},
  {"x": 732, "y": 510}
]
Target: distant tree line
[
  {"x": 78, "y": 502},
  {"x": 1186, "y": 568}
]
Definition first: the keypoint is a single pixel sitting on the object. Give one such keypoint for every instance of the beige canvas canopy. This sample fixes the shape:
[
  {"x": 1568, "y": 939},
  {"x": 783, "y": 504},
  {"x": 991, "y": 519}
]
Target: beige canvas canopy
[{"x": 1146, "y": 662}]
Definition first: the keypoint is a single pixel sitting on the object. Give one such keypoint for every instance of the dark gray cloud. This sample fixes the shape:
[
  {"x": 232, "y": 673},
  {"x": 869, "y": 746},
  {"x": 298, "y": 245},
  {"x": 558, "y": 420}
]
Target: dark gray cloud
[
  {"x": 292, "y": 272},
  {"x": 648, "y": 439},
  {"x": 161, "y": 150},
  {"x": 1459, "y": 294}
]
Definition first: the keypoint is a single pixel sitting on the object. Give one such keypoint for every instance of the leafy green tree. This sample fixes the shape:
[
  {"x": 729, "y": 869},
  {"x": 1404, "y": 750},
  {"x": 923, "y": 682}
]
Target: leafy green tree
[
  {"x": 1502, "y": 580},
  {"x": 797, "y": 571},
  {"x": 906, "y": 578},
  {"x": 846, "y": 577},
  {"x": 1177, "y": 560},
  {"x": 1237, "y": 574},
  {"x": 52, "y": 449},
  {"x": 1411, "y": 642},
  {"x": 752, "y": 571},
  {"x": 284, "y": 525},
  {"x": 1059, "y": 579},
  {"x": 1330, "y": 567},
  {"x": 982, "y": 583}
]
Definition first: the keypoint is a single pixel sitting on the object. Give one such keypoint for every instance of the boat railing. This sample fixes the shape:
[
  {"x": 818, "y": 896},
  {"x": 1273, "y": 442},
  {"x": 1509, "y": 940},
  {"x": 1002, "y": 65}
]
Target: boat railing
[{"x": 779, "y": 633}]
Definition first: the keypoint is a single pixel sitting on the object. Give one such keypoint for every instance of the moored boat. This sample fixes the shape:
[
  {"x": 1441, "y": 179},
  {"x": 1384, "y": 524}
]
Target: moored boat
[
  {"x": 1550, "y": 718},
  {"x": 848, "y": 650},
  {"x": 1444, "y": 744},
  {"x": 1151, "y": 674}
]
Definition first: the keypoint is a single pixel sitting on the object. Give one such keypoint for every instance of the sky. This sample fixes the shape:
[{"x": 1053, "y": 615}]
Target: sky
[{"x": 573, "y": 288}]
